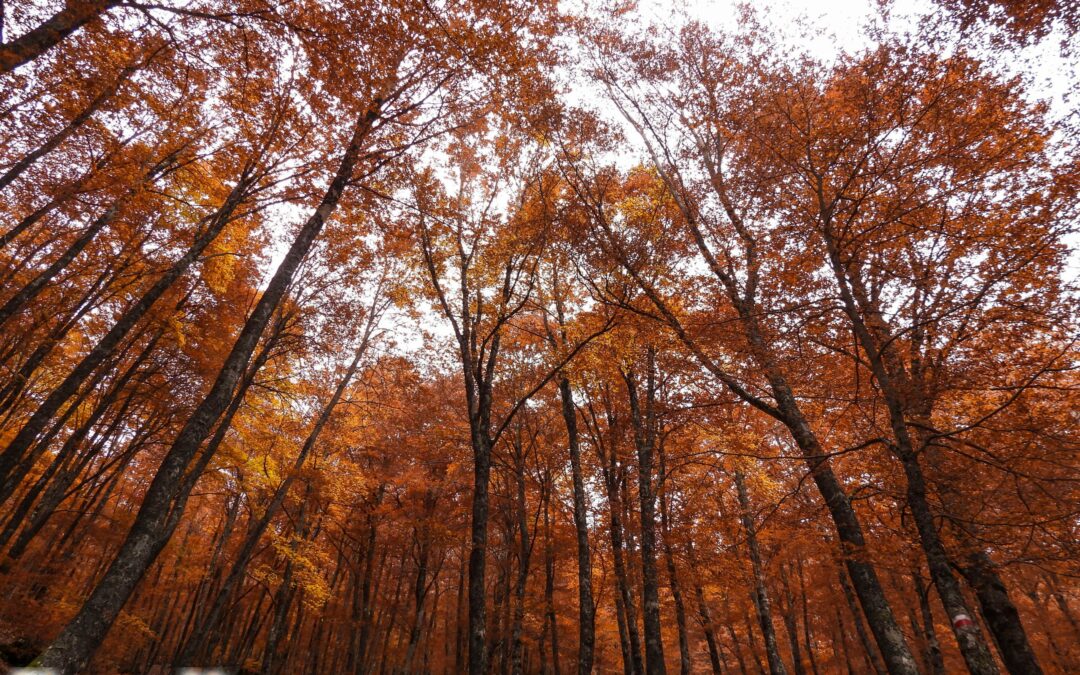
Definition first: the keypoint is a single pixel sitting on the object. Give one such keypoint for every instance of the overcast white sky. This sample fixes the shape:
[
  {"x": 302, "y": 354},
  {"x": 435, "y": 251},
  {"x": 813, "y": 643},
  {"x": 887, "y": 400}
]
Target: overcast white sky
[{"x": 826, "y": 27}]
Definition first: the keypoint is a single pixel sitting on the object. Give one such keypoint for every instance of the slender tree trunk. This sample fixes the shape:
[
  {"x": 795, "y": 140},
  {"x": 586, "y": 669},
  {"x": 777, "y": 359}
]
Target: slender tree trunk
[
  {"x": 27, "y": 461},
  {"x": 366, "y": 606},
  {"x": 935, "y": 663},
  {"x": 761, "y": 593},
  {"x": 1062, "y": 659},
  {"x": 842, "y": 639},
  {"x": 67, "y": 464},
  {"x": 171, "y": 486},
  {"x": 704, "y": 613},
  {"x": 1063, "y": 605},
  {"x": 806, "y": 617},
  {"x": 254, "y": 535},
  {"x": 33, "y": 287},
  {"x": 645, "y": 437},
  {"x": 11, "y": 392},
  {"x": 673, "y": 577},
  {"x": 869, "y": 653},
  {"x": 611, "y": 482},
  {"x": 586, "y": 618},
  {"x": 517, "y": 643},
  {"x": 460, "y": 646},
  {"x": 16, "y": 169},
  {"x": 791, "y": 624},
  {"x": 736, "y": 645},
  {"x": 55, "y": 490},
  {"x": 549, "y": 578},
  {"x": 420, "y": 589}
]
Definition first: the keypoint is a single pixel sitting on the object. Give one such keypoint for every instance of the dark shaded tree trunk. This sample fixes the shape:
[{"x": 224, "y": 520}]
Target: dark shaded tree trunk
[
  {"x": 32, "y": 44},
  {"x": 607, "y": 453},
  {"x": 761, "y": 592},
  {"x": 1001, "y": 615},
  {"x": 841, "y": 638},
  {"x": 517, "y": 643},
  {"x": 673, "y": 577},
  {"x": 869, "y": 653},
  {"x": 478, "y": 554},
  {"x": 1063, "y": 605},
  {"x": 934, "y": 661},
  {"x": 171, "y": 486},
  {"x": 736, "y": 646},
  {"x": 586, "y": 618},
  {"x": 806, "y": 618},
  {"x": 645, "y": 439},
  {"x": 704, "y": 614},
  {"x": 549, "y": 577},
  {"x": 791, "y": 624}
]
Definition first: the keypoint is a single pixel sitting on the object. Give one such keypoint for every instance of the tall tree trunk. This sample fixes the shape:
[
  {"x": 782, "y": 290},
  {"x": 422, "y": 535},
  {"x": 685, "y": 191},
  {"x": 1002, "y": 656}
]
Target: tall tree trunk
[
  {"x": 806, "y": 617},
  {"x": 673, "y": 577},
  {"x": 761, "y": 592},
  {"x": 935, "y": 663},
  {"x": 791, "y": 624},
  {"x": 869, "y": 653},
  {"x": 420, "y": 590},
  {"x": 517, "y": 643},
  {"x": 704, "y": 613},
  {"x": 282, "y": 604},
  {"x": 549, "y": 576},
  {"x": 842, "y": 639},
  {"x": 1062, "y": 604},
  {"x": 634, "y": 664},
  {"x": 365, "y": 609},
  {"x": 171, "y": 486},
  {"x": 755, "y": 652},
  {"x": 478, "y": 554},
  {"x": 645, "y": 439},
  {"x": 586, "y": 618},
  {"x": 736, "y": 646}
]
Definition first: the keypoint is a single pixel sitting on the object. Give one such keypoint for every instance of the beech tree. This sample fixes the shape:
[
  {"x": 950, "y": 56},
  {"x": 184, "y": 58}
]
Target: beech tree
[{"x": 491, "y": 336}]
